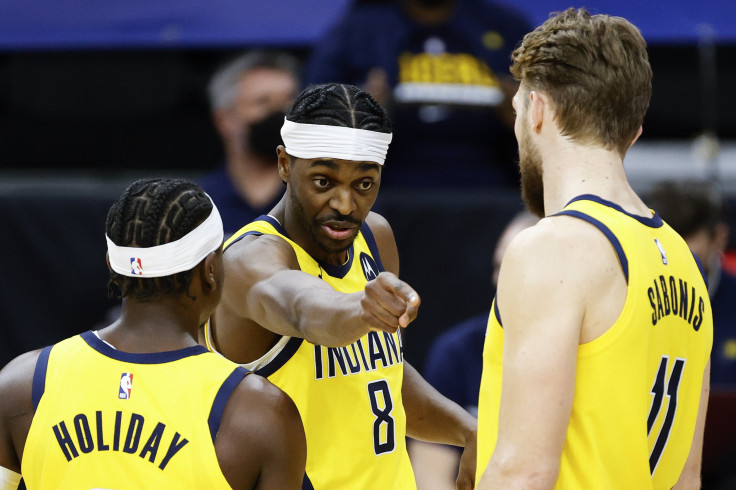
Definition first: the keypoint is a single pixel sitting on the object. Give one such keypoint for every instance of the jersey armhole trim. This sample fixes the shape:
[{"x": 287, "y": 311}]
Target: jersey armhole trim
[
  {"x": 372, "y": 246},
  {"x": 247, "y": 233},
  {"x": 39, "y": 377},
  {"x": 702, "y": 269},
  {"x": 623, "y": 261},
  {"x": 281, "y": 358},
  {"x": 223, "y": 395},
  {"x": 496, "y": 312}
]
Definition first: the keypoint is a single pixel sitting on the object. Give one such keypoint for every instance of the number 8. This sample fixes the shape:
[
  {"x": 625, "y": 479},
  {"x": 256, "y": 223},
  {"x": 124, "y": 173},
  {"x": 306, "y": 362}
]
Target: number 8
[{"x": 383, "y": 415}]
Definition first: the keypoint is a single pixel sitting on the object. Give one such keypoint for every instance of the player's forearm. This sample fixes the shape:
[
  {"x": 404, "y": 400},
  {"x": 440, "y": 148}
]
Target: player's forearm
[
  {"x": 329, "y": 318},
  {"x": 312, "y": 311},
  {"x": 432, "y": 417},
  {"x": 504, "y": 473}
]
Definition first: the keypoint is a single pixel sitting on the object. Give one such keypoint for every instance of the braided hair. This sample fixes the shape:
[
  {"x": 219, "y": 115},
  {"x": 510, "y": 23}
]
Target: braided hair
[
  {"x": 154, "y": 212},
  {"x": 336, "y": 104}
]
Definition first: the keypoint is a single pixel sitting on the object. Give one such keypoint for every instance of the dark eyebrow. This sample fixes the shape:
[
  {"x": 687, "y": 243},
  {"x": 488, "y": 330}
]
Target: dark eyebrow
[
  {"x": 364, "y": 167},
  {"x": 325, "y": 163},
  {"x": 368, "y": 166}
]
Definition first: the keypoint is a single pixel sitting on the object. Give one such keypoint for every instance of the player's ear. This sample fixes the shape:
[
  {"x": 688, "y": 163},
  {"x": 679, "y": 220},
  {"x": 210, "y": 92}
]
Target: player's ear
[
  {"x": 210, "y": 270},
  {"x": 284, "y": 163},
  {"x": 538, "y": 106},
  {"x": 638, "y": 133}
]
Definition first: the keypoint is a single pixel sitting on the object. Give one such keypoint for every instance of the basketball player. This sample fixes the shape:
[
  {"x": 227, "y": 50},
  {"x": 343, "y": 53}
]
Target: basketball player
[
  {"x": 313, "y": 301},
  {"x": 596, "y": 357},
  {"x": 140, "y": 404}
]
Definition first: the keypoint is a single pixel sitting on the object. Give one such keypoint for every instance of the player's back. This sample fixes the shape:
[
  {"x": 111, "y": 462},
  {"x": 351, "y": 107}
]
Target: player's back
[
  {"x": 638, "y": 385},
  {"x": 110, "y": 419}
]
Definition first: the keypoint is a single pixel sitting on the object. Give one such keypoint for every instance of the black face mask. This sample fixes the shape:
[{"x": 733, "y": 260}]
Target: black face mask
[{"x": 265, "y": 135}]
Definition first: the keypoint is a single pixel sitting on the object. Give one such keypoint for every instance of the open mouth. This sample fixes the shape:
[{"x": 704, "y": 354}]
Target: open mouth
[{"x": 338, "y": 231}]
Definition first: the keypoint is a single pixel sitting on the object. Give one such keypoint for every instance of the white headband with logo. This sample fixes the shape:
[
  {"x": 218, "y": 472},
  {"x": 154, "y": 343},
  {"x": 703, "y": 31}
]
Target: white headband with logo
[
  {"x": 167, "y": 259},
  {"x": 319, "y": 141}
]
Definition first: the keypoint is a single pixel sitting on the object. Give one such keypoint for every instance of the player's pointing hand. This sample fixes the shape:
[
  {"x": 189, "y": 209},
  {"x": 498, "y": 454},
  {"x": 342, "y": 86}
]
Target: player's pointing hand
[{"x": 389, "y": 303}]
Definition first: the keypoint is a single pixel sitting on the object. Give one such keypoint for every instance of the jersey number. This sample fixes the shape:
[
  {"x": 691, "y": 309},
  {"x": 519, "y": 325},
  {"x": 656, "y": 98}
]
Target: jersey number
[
  {"x": 382, "y": 411},
  {"x": 659, "y": 392}
]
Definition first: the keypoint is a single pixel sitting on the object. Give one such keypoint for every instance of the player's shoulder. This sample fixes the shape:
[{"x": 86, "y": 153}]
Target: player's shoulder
[
  {"x": 561, "y": 243},
  {"x": 257, "y": 249},
  {"x": 378, "y": 224},
  {"x": 257, "y": 405},
  {"x": 16, "y": 382},
  {"x": 383, "y": 235}
]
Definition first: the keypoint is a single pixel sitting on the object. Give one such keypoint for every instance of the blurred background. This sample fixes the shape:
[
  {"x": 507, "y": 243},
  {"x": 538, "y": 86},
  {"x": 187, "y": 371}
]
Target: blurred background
[{"x": 96, "y": 94}]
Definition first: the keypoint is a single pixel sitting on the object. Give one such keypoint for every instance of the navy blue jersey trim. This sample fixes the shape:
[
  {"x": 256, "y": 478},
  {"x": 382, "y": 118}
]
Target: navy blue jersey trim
[
  {"x": 307, "y": 483},
  {"x": 273, "y": 222},
  {"x": 372, "y": 246},
  {"x": 247, "y": 233},
  {"x": 39, "y": 377},
  {"x": 339, "y": 271},
  {"x": 653, "y": 222},
  {"x": 223, "y": 395},
  {"x": 702, "y": 269},
  {"x": 606, "y": 231},
  {"x": 137, "y": 358},
  {"x": 286, "y": 353},
  {"x": 496, "y": 312}
]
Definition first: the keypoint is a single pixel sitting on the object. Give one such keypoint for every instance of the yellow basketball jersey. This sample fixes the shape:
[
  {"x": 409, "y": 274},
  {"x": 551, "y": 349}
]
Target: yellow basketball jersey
[
  {"x": 115, "y": 420},
  {"x": 349, "y": 397},
  {"x": 637, "y": 387}
]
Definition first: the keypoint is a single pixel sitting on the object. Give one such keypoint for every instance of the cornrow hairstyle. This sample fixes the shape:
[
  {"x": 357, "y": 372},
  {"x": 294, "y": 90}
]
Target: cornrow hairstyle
[
  {"x": 154, "y": 212},
  {"x": 336, "y": 104}
]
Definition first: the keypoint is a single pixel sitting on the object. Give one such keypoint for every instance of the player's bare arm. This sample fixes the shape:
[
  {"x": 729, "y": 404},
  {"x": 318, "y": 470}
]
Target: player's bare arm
[
  {"x": 16, "y": 408},
  {"x": 261, "y": 442},
  {"x": 432, "y": 417},
  {"x": 265, "y": 286},
  {"x": 690, "y": 477},
  {"x": 573, "y": 291}
]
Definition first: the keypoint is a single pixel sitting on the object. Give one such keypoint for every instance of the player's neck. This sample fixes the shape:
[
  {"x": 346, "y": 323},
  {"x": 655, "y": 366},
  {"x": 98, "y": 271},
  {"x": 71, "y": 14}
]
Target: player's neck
[
  {"x": 573, "y": 169},
  {"x": 152, "y": 326}
]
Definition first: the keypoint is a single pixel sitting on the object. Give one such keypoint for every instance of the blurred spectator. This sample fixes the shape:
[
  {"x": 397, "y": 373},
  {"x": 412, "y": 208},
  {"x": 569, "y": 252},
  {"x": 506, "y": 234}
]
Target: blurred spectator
[
  {"x": 453, "y": 366},
  {"x": 695, "y": 209},
  {"x": 248, "y": 98},
  {"x": 441, "y": 67}
]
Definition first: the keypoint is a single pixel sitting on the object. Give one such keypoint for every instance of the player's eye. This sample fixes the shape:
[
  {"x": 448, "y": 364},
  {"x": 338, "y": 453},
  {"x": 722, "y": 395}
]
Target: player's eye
[
  {"x": 365, "y": 185},
  {"x": 321, "y": 182}
]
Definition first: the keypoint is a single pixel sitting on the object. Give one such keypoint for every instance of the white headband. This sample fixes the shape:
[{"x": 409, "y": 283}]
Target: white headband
[
  {"x": 319, "y": 141},
  {"x": 167, "y": 259}
]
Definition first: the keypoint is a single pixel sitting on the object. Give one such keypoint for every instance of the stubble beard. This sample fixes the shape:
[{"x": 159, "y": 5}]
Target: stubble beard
[
  {"x": 312, "y": 227},
  {"x": 532, "y": 182}
]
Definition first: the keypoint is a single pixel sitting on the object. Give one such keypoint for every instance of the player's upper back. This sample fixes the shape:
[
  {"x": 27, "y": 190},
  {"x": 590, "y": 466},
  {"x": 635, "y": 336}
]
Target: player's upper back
[
  {"x": 109, "y": 419},
  {"x": 646, "y": 370}
]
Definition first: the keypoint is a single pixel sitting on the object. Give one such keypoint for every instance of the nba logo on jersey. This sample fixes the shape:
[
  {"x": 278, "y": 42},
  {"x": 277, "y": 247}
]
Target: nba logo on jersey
[
  {"x": 135, "y": 266},
  {"x": 370, "y": 269},
  {"x": 126, "y": 385},
  {"x": 661, "y": 251}
]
